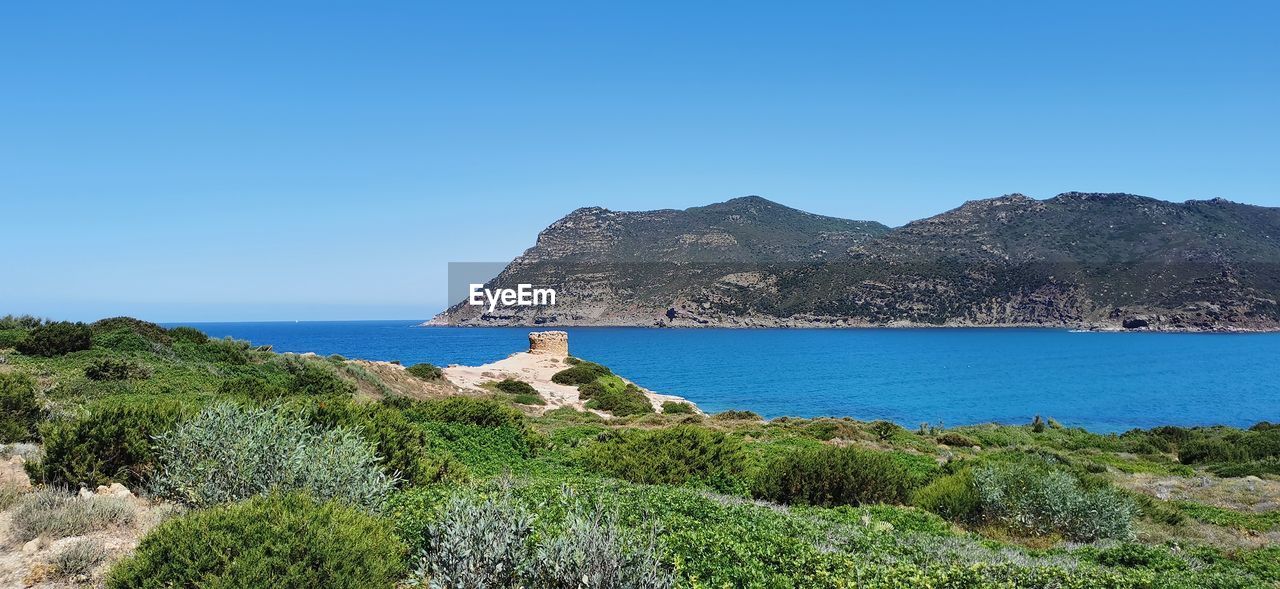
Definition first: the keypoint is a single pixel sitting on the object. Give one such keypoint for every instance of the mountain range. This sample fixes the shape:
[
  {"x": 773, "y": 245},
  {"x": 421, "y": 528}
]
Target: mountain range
[{"x": 1077, "y": 260}]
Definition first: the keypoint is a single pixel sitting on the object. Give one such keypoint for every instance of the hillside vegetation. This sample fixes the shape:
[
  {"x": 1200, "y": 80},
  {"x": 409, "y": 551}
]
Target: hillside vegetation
[{"x": 264, "y": 469}]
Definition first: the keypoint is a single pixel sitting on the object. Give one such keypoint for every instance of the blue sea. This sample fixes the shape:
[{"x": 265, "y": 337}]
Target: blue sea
[{"x": 1106, "y": 382}]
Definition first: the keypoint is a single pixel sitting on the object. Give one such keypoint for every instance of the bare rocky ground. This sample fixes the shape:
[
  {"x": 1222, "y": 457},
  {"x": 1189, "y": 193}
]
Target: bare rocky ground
[
  {"x": 1249, "y": 495},
  {"x": 31, "y": 564}
]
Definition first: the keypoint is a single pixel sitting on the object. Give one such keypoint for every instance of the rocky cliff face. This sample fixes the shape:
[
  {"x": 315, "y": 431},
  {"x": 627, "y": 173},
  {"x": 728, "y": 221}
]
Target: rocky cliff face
[{"x": 1110, "y": 261}]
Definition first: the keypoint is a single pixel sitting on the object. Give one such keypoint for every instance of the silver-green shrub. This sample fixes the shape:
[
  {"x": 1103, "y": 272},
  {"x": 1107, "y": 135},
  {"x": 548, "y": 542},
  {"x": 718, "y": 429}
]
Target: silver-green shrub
[
  {"x": 478, "y": 543},
  {"x": 596, "y": 552},
  {"x": 1041, "y": 502},
  {"x": 491, "y": 542},
  {"x": 229, "y": 452}
]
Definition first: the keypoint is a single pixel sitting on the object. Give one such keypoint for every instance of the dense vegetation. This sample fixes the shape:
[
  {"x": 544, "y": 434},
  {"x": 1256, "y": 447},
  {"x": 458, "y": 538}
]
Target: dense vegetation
[{"x": 296, "y": 473}]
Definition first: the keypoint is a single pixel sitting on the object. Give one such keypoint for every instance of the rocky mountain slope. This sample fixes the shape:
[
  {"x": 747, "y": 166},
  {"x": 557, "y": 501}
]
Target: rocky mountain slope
[{"x": 1087, "y": 260}]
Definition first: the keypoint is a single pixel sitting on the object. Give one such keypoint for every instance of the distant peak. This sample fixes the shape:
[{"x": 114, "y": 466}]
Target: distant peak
[{"x": 743, "y": 201}]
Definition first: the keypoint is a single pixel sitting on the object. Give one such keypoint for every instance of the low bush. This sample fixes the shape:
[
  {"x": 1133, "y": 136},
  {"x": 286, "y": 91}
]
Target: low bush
[
  {"x": 734, "y": 415},
  {"x": 629, "y": 401},
  {"x": 830, "y": 475},
  {"x": 182, "y": 333},
  {"x": 56, "y": 514},
  {"x": 957, "y": 440},
  {"x": 954, "y": 497},
  {"x": 123, "y": 340},
  {"x": 478, "y": 543},
  {"x": 671, "y": 456},
  {"x": 409, "y": 453},
  {"x": 19, "y": 408},
  {"x": 79, "y": 558},
  {"x": 257, "y": 386},
  {"x": 279, "y": 541},
  {"x": 1039, "y": 502},
  {"x": 515, "y": 387},
  {"x": 11, "y": 338},
  {"x": 522, "y": 392},
  {"x": 491, "y": 543},
  {"x": 485, "y": 412},
  {"x": 110, "y": 441},
  {"x": 228, "y": 453},
  {"x": 570, "y": 414},
  {"x": 21, "y": 322},
  {"x": 581, "y": 373},
  {"x": 677, "y": 408},
  {"x": 56, "y": 339},
  {"x": 116, "y": 369},
  {"x": 148, "y": 330},
  {"x": 426, "y": 371},
  {"x": 314, "y": 378},
  {"x": 884, "y": 429},
  {"x": 226, "y": 351},
  {"x": 595, "y": 550}
]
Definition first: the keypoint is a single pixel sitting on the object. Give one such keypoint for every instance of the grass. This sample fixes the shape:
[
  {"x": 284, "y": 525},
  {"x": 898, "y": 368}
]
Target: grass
[{"x": 1256, "y": 522}]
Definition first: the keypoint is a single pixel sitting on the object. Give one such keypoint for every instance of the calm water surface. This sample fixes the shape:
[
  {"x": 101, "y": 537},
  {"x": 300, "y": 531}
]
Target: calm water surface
[{"x": 1101, "y": 381}]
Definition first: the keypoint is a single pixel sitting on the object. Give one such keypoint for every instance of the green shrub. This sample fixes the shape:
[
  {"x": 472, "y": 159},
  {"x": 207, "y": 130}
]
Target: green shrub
[
  {"x": 256, "y": 386},
  {"x": 315, "y": 378},
  {"x": 409, "y": 453},
  {"x": 522, "y": 392},
  {"x": 182, "y": 333},
  {"x": 19, "y": 408},
  {"x": 21, "y": 322},
  {"x": 957, "y": 440},
  {"x": 56, "y": 339},
  {"x": 148, "y": 330},
  {"x": 954, "y": 497},
  {"x": 515, "y": 387},
  {"x": 485, "y": 412},
  {"x": 11, "y": 338},
  {"x": 116, "y": 369},
  {"x": 278, "y": 541},
  {"x": 677, "y": 408},
  {"x": 629, "y": 401},
  {"x": 670, "y": 456},
  {"x": 1038, "y": 502},
  {"x": 426, "y": 371},
  {"x": 884, "y": 429},
  {"x": 735, "y": 415},
  {"x": 110, "y": 441},
  {"x": 570, "y": 414},
  {"x": 123, "y": 340},
  {"x": 580, "y": 373},
  {"x": 52, "y": 513},
  {"x": 834, "y": 476},
  {"x": 226, "y": 351},
  {"x": 228, "y": 453}
]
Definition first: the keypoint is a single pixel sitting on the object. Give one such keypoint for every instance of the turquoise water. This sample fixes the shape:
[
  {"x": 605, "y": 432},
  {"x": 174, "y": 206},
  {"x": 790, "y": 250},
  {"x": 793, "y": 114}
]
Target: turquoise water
[{"x": 1101, "y": 381}]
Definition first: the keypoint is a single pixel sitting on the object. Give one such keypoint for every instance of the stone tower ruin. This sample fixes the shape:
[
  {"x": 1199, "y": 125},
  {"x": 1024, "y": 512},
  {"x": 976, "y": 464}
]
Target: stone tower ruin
[{"x": 552, "y": 343}]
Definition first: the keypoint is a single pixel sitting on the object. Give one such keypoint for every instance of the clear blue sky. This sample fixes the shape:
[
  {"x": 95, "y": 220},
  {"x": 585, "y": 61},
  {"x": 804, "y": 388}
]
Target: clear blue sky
[{"x": 325, "y": 160}]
